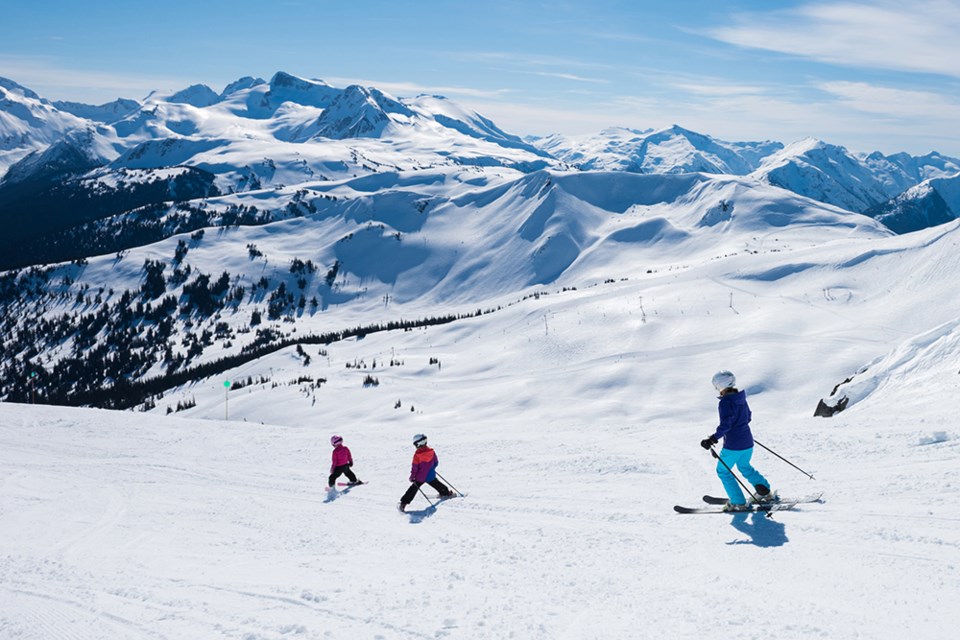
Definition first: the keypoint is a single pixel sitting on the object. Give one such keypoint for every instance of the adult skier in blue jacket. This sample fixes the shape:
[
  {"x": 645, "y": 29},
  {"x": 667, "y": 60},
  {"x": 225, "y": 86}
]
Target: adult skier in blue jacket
[{"x": 737, "y": 449}]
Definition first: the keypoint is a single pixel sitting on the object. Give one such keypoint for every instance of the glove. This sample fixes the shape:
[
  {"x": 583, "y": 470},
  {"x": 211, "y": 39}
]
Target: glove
[{"x": 708, "y": 442}]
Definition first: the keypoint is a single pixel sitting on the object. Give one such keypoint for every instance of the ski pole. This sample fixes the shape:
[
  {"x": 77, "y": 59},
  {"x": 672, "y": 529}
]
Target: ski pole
[
  {"x": 785, "y": 460},
  {"x": 425, "y": 497},
  {"x": 451, "y": 484},
  {"x": 769, "y": 514}
]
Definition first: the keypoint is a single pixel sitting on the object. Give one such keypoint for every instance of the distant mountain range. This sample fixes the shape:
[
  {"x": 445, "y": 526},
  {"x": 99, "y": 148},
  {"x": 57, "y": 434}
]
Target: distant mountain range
[
  {"x": 67, "y": 164},
  {"x": 873, "y": 184}
]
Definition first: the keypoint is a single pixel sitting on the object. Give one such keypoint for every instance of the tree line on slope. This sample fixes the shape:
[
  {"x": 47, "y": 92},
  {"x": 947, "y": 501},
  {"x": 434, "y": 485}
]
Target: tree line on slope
[{"x": 106, "y": 351}]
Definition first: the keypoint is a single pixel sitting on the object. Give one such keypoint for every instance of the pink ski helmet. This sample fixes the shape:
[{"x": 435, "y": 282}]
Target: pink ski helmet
[{"x": 335, "y": 440}]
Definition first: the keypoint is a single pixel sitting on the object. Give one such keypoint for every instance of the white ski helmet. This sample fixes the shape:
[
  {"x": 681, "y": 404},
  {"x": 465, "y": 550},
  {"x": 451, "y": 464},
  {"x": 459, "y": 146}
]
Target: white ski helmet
[
  {"x": 724, "y": 380},
  {"x": 335, "y": 440},
  {"x": 419, "y": 440}
]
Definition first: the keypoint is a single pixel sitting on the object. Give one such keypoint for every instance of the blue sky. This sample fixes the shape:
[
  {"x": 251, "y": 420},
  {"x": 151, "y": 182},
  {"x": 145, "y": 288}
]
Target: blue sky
[{"x": 869, "y": 75}]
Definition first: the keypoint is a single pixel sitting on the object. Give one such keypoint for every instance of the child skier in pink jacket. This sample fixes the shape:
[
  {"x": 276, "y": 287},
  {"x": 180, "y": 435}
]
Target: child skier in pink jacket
[{"x": 342, "y": 461}]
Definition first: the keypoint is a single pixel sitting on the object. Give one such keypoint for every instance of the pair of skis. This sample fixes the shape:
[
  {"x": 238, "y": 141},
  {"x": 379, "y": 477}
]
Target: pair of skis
[
  {"x": 436, "y": 500},
  {"x": 716, "y": 505}
]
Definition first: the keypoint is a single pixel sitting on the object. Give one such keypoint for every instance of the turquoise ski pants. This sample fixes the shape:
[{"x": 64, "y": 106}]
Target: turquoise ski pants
[{"x": 738, "y": 460}]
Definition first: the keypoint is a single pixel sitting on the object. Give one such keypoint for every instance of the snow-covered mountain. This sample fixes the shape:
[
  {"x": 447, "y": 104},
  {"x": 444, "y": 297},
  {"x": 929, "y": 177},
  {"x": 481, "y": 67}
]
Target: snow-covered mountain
[
  {"x": 106, "y": 113},
  {"x": 76, "y": 153},
  {"x": 671, "y": 150},
  {"x": 810, "y": 167},
  {"x": 92, "y": 162},
  {"x": 930, "y": 203},
  {"x": 828, "y": 173},
  {"x": 29, "y": 123},
  {"x": 254, "y": 135},
  {"x": 920, "y": 168}
]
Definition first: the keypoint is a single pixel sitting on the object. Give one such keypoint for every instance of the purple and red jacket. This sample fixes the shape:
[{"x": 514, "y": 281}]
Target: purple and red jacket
[
  {"x": 424, "y": 467},
  {"x": 341, "y": 456}
]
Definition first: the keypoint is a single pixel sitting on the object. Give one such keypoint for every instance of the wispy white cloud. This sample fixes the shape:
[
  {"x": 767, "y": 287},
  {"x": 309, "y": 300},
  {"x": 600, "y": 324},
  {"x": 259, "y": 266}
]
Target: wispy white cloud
[
  {"x": 528, "y": 61},
  {"x": 405, "y": 89},
  {"x": 712, "y": 88},
  {"x": 543, "y": 119},
  {"x": 503, "y": 62},
  {"x": 898, "y": 103},
  {"x": 52, "y": 80},
  {"x": 916, "y": 36},
  {"x": 568, "y": 76}
]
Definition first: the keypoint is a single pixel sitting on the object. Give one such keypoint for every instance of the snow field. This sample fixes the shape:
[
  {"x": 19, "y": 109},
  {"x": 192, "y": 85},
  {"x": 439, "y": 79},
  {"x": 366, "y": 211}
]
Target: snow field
[
  {"x": 126, "y": 525},
  {"x": 572, "y": 422}
]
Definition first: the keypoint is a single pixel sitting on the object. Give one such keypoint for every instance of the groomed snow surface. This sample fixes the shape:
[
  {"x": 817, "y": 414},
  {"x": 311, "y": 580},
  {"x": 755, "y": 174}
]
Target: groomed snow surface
[
  {"x": 124, "y": 526},
  {"x": 572, "y": 421}
]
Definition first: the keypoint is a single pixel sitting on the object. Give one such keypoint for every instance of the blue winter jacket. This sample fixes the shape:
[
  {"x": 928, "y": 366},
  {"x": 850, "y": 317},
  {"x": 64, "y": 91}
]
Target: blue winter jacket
[{"x": 734, "y": 422}]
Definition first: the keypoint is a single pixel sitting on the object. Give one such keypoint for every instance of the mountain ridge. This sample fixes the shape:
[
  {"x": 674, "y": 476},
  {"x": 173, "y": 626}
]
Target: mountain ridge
[{"x": 296, "y": 110}]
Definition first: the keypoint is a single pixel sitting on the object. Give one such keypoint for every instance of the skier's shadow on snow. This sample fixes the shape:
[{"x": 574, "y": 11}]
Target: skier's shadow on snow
[
  {"x": 333, "y": 495},
  {"x": 416, "y": 517},
  {"x": 763, "y": 531}
]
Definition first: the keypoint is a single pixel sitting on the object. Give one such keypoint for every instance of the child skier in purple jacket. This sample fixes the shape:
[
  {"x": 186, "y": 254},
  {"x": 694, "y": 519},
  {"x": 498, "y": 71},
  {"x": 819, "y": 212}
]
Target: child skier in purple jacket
[
  {"x": 737, "y": 449},
  {"x": 423, "y": 469},
  {"x": 342, "y": 461}
]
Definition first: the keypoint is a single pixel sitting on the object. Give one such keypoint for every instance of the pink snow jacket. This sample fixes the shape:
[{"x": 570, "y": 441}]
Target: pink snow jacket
[{"x": 341, "y": 456}]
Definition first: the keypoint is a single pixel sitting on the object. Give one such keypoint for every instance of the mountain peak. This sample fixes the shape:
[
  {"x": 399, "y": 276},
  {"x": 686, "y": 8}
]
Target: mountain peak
[
  {"x": 359, "y": 112},
  {"x": 240, "y": 84},
  {"x": 107, "y": 113},
  {"x": 197, "y": 95},
  {"x": 285, "y": 87},
  {"x": 806, "y": 145},
  {"x": 641, "y": 132},
  {"x": 14, "y": 87},
  {"x": 282, "y": 79}
]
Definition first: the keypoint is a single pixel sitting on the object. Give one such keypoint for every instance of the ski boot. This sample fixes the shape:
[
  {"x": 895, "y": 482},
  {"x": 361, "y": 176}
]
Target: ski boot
[{"x": 764, "y": 495}]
